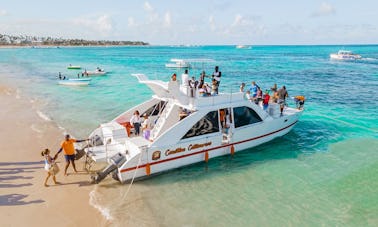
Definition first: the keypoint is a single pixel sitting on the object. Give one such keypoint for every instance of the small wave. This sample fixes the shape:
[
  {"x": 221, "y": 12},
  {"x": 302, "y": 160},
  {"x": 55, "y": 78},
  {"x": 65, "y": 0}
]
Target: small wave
[
  {"x": 93, "y": 201},
  {"x": 43, "y": 116},
  {"x": 35, "y": 129}
]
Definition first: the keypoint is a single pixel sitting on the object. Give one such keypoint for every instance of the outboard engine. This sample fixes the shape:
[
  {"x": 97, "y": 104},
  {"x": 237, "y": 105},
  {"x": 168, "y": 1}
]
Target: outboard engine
[
  {"x": 96, "y": 141},
  {"x": 115, "y": 162}
]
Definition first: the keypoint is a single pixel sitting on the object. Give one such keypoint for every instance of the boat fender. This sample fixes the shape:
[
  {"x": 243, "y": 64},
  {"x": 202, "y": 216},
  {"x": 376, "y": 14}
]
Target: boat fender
[
  {"x": 232, "y": 150},
  {"x": 148, "y": 169},
  {"x": 207, "y": 156}
]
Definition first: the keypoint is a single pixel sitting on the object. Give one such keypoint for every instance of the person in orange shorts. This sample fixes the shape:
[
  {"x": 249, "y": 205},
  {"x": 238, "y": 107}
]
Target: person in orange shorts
[{"x": 69, "y": 152}]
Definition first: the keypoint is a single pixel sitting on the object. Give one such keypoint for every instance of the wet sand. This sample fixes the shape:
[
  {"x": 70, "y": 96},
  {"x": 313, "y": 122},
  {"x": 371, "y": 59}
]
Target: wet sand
[{"x": 24, "y": 200}]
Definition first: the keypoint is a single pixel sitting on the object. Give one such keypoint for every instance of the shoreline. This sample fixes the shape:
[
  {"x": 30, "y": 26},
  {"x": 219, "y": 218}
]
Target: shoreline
[{"x": 24, "y": 200}]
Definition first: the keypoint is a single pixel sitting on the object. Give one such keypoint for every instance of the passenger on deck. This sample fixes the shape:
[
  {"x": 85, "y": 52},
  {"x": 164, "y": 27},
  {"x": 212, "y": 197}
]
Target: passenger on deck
[
  {"x": 146, "y": 127},
  {"x": 266, "y": 99},
  {"x": 202, "y": 79},
  {"x": 242, "y": 86},
  {"x": 222, "y": 117},
  {"x": 193, "y": 83},
  {"x": 183, "y": 113},
  {"x": 282, "y": 95},
  {"x": 217, "y": 76},
  {"x": 253, "y": 89},
  {"x": 185, "y": 82},
  {"x": 259, "y": 95},
  {"x": 214, "y": 87},
  {"x": 204, "y": 90},
  {"x": 248, "y": 96},
  {"x": 299, "y": 101},
  {"x": 135, "y": 121}
]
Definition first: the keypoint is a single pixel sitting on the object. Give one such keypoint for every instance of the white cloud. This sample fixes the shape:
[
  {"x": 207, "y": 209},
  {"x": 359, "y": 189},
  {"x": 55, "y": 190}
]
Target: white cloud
[
  {"x": 131, "y": 22},
  {"x": 212, "y": 23},
  {"x": 102, "y": 24},
  {"x": 147, "y": 6},
  {"x": 3, "y": 12},
  {"x": 325, "y": 9},
  {"x": 167, "y": 20}
]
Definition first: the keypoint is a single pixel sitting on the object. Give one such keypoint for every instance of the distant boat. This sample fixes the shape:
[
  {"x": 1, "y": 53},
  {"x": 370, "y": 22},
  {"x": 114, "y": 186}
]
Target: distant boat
[
  {"x": 75, "y": 82},
  {"x": 97, "y": 72},
  {"x": 243, "y": 47},
  {"x": 178, "y": 63},
  {"x": 345, "y": 55},
  {"x": 74, "y": 67}
]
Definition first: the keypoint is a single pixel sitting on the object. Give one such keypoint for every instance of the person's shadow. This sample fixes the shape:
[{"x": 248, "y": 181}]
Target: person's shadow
[{"x": 16, "y": 200}]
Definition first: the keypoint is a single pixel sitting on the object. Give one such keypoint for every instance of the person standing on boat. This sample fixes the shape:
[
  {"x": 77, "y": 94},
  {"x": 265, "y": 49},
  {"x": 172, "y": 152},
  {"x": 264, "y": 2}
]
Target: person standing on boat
[
  {"x": 135, "y": 121},
  {"x": 69, "y": 152},
  {"x": 146, "y": 127},
  {"x": 253, "y": 89},
  {"x": 266, "y": 100},
  {"x": 193, "y": 83},
  {"x": 185, "y": 81},
  {"x": 282, "y": 95},
  {"x": 242, "y": 86},
  {"x": 217, "y": 76}
]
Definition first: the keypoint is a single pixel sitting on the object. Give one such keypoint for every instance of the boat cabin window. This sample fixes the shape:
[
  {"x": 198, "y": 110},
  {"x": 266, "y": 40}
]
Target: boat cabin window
[
  {"x": 155, "y": 109},
  {"x": 245, "y": 116},
  {"x": 208, "y": 124}
]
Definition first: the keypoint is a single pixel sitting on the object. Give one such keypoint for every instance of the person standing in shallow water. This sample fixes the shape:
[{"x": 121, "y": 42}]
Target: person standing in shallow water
[{"x": 69, "y": 152}]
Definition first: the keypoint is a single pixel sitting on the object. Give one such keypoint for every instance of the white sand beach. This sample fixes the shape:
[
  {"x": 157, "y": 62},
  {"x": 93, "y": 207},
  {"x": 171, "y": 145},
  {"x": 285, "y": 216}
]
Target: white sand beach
[{"x": 24, "y": 200}]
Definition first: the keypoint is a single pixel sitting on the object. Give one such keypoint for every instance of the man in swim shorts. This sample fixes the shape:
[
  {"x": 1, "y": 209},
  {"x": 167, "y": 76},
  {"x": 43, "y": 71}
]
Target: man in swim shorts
[{"x": 69, "y": 152}]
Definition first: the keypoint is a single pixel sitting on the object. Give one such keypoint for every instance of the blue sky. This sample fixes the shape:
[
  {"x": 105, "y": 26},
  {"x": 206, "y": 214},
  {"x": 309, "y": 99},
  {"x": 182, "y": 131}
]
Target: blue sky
[{"x": 200, "y": 22}]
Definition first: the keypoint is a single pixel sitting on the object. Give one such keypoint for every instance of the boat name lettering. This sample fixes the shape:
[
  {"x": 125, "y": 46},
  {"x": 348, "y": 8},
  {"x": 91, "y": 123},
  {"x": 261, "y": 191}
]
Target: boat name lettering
[
  {"x": 195, "y": 146},
  {"x": 177, "y": 150}
]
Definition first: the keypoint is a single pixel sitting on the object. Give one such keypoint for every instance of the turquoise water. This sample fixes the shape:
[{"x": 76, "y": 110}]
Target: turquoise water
[{"x": 324, "y": 172}]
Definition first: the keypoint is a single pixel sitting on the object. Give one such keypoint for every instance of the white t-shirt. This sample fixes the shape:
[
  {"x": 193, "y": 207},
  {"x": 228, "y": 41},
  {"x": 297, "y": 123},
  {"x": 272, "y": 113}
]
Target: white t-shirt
[{"x": 185, "y": 79}]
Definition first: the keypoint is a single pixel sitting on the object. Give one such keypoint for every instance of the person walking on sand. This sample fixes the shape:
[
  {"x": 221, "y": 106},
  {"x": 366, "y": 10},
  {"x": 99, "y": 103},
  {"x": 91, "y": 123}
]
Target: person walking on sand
[
  {"x": 69, "y": 152},
  {"x": 49, "y": 166}
]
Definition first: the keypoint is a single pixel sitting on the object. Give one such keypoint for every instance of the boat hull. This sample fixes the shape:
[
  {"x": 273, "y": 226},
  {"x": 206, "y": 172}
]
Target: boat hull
[
  {"x": 74, "y": 67},
  {"x": 179, "y": 155},
  {"x": 75, "y": 82}
]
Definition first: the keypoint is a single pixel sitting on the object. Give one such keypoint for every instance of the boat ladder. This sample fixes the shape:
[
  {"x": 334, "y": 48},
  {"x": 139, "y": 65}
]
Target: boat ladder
[{"x": 161, "y": 120}]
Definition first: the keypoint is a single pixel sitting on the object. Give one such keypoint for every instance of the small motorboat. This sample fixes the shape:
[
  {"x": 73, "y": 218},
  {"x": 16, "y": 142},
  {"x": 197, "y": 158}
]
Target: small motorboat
[
  {"x": 75, "y": 82},
  {"x": 97, "y": 72},
  {"x": 178, "y": 63},
  {"x": 345, "y": 55},
  {"x": 74, "y": 67}
]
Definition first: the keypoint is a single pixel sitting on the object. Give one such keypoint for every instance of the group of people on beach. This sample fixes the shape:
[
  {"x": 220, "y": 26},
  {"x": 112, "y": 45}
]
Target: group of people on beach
[
  {"x": 192, "y": 86},
  {"x": 51, "y": 167},
  {"x": 256, "y": 95}
]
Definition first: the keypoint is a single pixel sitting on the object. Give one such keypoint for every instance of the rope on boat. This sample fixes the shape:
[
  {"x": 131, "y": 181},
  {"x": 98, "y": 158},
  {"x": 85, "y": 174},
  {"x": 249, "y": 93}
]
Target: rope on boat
[{"x": 132, "y": 179}]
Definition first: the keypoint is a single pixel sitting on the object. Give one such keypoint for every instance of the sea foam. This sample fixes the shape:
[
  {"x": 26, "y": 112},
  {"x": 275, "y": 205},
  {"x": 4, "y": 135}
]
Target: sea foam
[
  {"x": 93, "y": 201},
  {"x": 43, "y": 116}
]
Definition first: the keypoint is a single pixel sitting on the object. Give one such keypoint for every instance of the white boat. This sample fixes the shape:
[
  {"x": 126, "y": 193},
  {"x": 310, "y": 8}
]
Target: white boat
[
  {"x": 97, "y": 72},
  {"x": 178, "y": 63},
  {"x": 345, "y": 55},
  {"x": 176, "y": 139},
  {"x": 75, "y": 82},
  {"x": 243, "y": 47}
]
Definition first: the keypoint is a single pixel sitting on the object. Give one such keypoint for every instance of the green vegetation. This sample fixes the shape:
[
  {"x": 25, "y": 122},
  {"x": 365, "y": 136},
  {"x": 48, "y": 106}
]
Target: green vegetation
[{"x": 9, "y": 40}]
